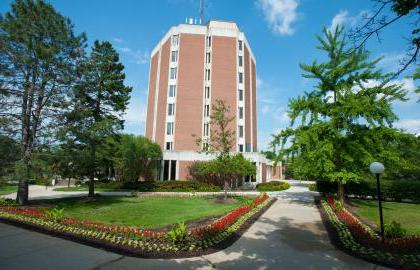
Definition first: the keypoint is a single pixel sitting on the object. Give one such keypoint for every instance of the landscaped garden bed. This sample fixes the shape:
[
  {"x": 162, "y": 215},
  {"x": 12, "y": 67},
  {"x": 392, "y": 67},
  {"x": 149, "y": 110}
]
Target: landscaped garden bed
[
  {"x": 273, "y": 186},
  {"x": 351, "y": 235},
  {"x": 178, "y": 241}
]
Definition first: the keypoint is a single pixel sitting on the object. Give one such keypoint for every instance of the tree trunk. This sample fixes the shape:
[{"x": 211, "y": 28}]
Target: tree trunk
[
  {"x": 22, "y": 193},
  {"x": 92, "y": 176},
  {"x": 226, "y": 188},
  {"x": 340, "y": 192}
]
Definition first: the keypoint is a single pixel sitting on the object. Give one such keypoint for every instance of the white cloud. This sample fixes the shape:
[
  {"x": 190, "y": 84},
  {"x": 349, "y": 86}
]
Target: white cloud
[
  {"x": 260, "y": 82},
  {"x": 344, "y": 19},
  {"x": 409, "y": 125},
  {"x": 136, "y": 56},
  {"x": 118, "y": 40},
  {"x": 280, "y": 14},
  {"x": 136, "y": 111}
]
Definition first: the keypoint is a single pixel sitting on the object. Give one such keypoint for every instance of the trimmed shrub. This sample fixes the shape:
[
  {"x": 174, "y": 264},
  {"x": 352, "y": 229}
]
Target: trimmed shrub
[
  {"x": 394, "y": 230},
  {"x": 313, "y": 187},
  {"x": 397, "y": 190},
  {"x": 273, "y": 186}
]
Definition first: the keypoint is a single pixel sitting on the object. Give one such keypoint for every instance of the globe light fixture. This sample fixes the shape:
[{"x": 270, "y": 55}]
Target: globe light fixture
[{"x": 378, "y": 168}]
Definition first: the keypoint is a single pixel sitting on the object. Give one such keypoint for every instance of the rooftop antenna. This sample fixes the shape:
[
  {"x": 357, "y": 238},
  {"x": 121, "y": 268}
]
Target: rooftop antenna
[{"x": 201, "y": 11}]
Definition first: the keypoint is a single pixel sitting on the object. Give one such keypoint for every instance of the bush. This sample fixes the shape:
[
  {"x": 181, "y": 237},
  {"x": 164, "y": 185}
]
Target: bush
[
  {"x": 394, "y": 230},
  {"x": 7, "y": 202},
  {"x": 178, "y": 233},
  {"x": 313, "y": 187},
  {"x": 185, "y": 186},
  {"x": 273, "y": 186},
  {"x": 397, "y": 190}
]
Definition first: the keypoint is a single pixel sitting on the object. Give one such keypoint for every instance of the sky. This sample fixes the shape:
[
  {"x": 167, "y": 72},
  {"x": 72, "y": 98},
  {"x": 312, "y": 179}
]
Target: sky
[{"x": 281, "y": 33}]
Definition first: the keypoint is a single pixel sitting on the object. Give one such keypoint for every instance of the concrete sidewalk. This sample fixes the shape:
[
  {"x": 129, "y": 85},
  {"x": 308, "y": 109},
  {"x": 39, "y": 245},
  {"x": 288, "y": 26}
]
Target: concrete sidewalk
[{"x": 290, "y": 235}]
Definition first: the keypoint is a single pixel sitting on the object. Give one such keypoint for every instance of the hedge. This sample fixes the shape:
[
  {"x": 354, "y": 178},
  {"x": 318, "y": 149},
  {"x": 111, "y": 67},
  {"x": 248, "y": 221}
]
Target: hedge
[
  {"x": 166, "y": 186},
  {"x": 396, "y": 190},
  {"x": 273, "y": 186}
]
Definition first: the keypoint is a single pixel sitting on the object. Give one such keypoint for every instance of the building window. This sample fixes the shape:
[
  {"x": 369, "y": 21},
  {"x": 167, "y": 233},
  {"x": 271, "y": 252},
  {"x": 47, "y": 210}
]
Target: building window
[
  {"x": 171, "y": 109},
  {"x": 240, "y": 60},
  {"x": 241, "y": 77},
  {"x": 241, "y": 131},
  {"x": 172, "y": 90},
  {"x": 241, "y": 95},
  {"x": 241, "y": 113},
  {"x": 170, "y": 128},
  {"x": 208, "y": 57},
  {"x": 241, "y": 148},
  {"x": 206, "y": 110},
  {"x": 208, "y": 41},
  {"x": 173, "y": 73},
  {"x": 240, "y": 45},
  {"x": 207, "y": 74},
  {"x": 175, "y": 39},
  {"x": 207, "y": 92},
  {"x": 174, "y": 56},
  {"x": 206, "y": 129},
  {"x": 169, "y": 145}
]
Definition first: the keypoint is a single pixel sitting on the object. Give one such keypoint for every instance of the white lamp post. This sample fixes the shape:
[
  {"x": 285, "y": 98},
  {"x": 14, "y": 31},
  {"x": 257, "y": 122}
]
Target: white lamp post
[{"x": 377, "y": 168}]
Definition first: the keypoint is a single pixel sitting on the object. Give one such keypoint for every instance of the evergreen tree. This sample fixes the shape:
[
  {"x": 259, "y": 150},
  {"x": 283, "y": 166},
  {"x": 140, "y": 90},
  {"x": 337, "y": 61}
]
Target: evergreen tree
[
  {"x": 346, "y": 120},
  {"x": 38, "y": 56},
  {"x": 100, "y": 99}
]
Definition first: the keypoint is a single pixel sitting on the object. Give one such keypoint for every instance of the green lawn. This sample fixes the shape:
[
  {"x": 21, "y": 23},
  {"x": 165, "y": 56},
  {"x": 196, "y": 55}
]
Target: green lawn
[
  {"x": 4, "y": 190},
  {"x": 405, "y": 213},
  {"x": 143, "y": 212}
]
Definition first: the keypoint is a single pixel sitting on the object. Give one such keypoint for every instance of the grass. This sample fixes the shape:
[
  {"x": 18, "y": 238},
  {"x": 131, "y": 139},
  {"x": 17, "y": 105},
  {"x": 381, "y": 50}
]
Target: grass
[
  {"x": 408, "y": 215},
  {"x": 143, "y": 212},
  {"x": 7, "y": 189}
]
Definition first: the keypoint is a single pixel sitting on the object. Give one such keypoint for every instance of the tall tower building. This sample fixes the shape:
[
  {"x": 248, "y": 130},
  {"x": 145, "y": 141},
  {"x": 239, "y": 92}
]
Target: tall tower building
[{"x": 190, "y": 68}]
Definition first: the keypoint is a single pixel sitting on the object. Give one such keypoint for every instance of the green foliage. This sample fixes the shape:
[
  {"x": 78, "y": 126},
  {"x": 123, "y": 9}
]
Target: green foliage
[
  {"x": 222, "y": 169},
  {"x": 313, "y": 187},
  {"x": 99, "y": 100},
  {"x": 137, "y": 156},
  {"x": 338, "y": 206},
  {"x": 9, "y": 150},
  {"x": 39, "y": 54},
  {"x": 54, "y": 214},
  {"x": 178, "y": 233},
  {"x": 185, "y": 186},
  {"x": 394, "y": 230},
  {"x": 7, "y": 202},
  {"x": 345, "y": 121},
  {"x": 397, "y": 189},
  {"x": 273, "y": 186}
]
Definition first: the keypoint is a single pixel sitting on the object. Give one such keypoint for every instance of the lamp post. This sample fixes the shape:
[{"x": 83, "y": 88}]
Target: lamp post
[{"x": 377, "y": 168}]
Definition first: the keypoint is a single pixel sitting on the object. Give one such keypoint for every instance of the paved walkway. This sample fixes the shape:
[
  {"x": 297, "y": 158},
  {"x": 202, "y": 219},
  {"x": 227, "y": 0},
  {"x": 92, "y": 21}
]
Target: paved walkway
[
  {"x": 290, "y": 235},
  {"x": 42, "y": 192}
]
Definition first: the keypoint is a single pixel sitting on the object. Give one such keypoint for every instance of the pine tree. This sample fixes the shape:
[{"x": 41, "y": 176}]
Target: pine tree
[
  {"x": 38, "y": 56},
  {"x": 100, "y": 99},
  {"x": 345, "y": 119}
]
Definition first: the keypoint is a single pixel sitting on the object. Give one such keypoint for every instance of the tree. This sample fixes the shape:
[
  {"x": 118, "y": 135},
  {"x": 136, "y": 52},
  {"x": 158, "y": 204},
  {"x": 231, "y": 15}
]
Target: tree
[
  {"x": 100, "y": 99},
  {"x": 137, "y": 157},
  {"x": 226, "y": 169},
  {"x": 378, "y": 20},
  {"x": 345, "y": 119},
  {"x": 38, "y": 54}
]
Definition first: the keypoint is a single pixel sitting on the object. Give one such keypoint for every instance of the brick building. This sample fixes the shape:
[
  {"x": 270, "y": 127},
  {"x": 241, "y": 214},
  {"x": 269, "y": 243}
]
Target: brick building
[{"x": 191, "y": 67}]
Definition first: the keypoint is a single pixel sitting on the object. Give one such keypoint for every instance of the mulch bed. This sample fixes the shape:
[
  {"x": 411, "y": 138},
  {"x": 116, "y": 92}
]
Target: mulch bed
[
  {"x": 336, "y": 241},
  {"x": 128, "y": 251}
]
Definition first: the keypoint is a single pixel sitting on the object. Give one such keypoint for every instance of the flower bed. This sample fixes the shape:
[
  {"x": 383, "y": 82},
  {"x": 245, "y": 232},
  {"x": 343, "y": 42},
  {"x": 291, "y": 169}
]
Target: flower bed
[
  {"x": 143, "y": 242},
  {"x": 351, "y": 235}
]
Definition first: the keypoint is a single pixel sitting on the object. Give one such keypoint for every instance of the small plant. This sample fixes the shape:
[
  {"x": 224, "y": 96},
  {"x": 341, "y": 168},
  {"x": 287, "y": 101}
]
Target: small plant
[
  {"x": 313, "y": 187},
  {"x": 338, "y": 206},
  {"x": 178, "y": 233},
  {"x": 7, "y": 202},
  {"x": 394, "y": 230},
  {"x": 54, "y": 214}
]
